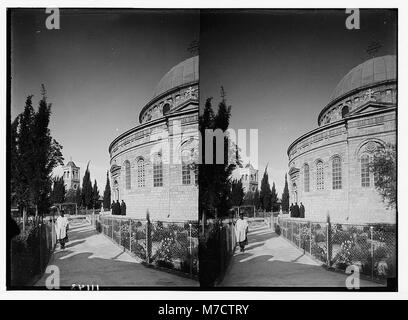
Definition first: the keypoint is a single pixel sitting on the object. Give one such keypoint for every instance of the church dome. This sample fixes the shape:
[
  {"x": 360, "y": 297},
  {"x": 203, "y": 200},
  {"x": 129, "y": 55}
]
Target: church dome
[
  {"x": 182, "y": 74},
  {"x": 366, "y": 74}
]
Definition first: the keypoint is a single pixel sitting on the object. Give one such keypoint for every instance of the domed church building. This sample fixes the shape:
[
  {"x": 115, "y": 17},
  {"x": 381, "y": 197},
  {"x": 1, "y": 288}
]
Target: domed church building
[
  {"x": 329, "y": 166},
  {"x": 152, "y": 164}
]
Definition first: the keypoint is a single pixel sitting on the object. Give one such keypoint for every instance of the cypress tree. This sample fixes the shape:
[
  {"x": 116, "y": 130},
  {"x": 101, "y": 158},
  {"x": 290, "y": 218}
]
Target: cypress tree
[
  {"x": 95, "y": 195},
  {"x": 87, "y": 198},
  {"x": 285, "y": 196},
  {"x": 107, "y": 193},
  {"x": 35, "y": 154},
  {"x": 237, "y": 193},
  {"x": 214, "y": 179},
  {"x": 256, "y": 199},
  {"x": 274, "y": 199},
  {"x": 266, "y": 193},
  {"x": 78, "y": 197},
  {"x": 58, "y": 190}
]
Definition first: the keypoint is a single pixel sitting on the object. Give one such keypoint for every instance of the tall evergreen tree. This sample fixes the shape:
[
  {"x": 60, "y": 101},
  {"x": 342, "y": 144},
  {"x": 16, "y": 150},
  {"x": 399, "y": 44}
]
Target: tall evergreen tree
[
  {"x": 256, "y": 199},
  {"x": 274, "y": 199},
  {"x": 22, "y": 151},
  {"x": 71, "y": 196},
  {"x": 36, "y": 155},
  {"x": 248, "y": 198},
  {"x": 78, "y": 197},
  {"x": 107, "y": 193},
  {"x": 87, "y": 198},
  {"x": 266, "y": 193},
  {"x": 47, "y": 155},
  {"x": 95, "y": 195},
  {"x": 285, "y": 196},
  {"x": 214, "y": 179},
  {"x": 58, "y": 190},
  {"x": 237, "y": 193}
]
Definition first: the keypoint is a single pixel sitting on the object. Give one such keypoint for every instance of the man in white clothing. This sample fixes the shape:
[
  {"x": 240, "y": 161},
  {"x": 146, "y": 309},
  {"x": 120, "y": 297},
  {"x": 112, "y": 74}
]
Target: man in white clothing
[{"x": 241, "y": 231}]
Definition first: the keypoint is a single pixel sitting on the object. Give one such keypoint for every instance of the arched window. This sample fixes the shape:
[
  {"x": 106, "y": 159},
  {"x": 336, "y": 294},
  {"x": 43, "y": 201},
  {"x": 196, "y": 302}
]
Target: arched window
[
  {"x": 365, "y": 171},
  {"x": 166, "y": 108},
  {"x": 336, "y": 173},
  {"x": 185, "y": 167},
  {"x": 344, "y": 111},
  {"x": 306, "y": 177},
  {"x": 127, "y": 175},
  {"x": 319, "y": 176},
  {"x": 141, "y": 173},
  {"x": 157, "y": 171}
]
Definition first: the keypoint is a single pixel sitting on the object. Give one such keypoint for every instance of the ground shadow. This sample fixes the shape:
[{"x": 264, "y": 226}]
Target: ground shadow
[{"x": 81, "y": 269}]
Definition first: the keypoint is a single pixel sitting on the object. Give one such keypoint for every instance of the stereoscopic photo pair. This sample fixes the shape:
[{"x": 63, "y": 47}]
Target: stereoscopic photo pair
[{"x": 202, "y": 149}]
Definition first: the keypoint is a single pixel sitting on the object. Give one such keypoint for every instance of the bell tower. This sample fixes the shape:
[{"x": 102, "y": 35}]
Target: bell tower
[{"x": 71, "y": 175}]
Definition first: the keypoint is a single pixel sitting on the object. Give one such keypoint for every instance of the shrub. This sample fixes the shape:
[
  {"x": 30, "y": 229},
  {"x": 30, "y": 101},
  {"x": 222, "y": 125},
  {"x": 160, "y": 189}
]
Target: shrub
[
  {"x": 318, "y": 252},
  {"x": 319, "y": 237},
  {"x": 139, "y": 250}
]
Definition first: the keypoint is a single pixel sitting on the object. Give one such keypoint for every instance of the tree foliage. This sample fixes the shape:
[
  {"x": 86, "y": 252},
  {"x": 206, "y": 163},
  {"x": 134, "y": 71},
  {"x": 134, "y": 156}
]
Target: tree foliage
[
  {"x": 78, "y": 196},
  {"x": 285, "y": 196},
  {"x": 34, "y": 154},
  {"x": 237, "y": 193},
  {"x": 58, "y": 190},
  {"x": 384, "y": 167},
  {"x": 274, "y": 199},
  {"x": 214, "y": 179},
  {"x": 95, "y": 196},
  {"x": 107, "y": 194},
  {"x": 86, "y": 194},
  {"x": 71, "y": 196},
  {"x": 252, "y": 198},
  {"x": 265, "y": 196}
]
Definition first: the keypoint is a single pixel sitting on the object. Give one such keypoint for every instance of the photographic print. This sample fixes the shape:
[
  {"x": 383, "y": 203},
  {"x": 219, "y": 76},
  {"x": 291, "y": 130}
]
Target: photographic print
[
  {"x": 202, "y": 149},
  {"x": 308, "y": 101},
  {"x": 104, "y": 136}
]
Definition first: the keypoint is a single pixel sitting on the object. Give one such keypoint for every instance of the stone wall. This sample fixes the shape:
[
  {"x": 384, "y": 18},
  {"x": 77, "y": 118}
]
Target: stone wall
[
  {"x": 173, "y": 201},
  {"x": 352, "y": 203}
]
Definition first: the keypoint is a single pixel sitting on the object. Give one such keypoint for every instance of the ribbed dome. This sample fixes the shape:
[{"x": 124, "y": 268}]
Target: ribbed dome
[
  {"x": 183, "y": 73},
  {"x": 366, "y": 74}
]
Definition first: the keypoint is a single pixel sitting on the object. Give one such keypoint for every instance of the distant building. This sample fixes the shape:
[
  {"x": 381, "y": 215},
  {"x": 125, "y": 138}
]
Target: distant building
[
  {"x": 71, "y": 176},
  {"x": 329, "y": 166},
  {"x": 144, "y": 173},
  {"x": 248, "y": 176}
]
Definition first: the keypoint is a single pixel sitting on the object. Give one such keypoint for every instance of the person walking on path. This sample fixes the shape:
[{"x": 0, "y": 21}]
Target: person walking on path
[
  {"x": 291, "y": 210},
  {"x": 241, "y": 231},
  {"x": 123, "y": 208},
  {"x": 61, "y": 229},
  {"x": 301, "y": 210}
]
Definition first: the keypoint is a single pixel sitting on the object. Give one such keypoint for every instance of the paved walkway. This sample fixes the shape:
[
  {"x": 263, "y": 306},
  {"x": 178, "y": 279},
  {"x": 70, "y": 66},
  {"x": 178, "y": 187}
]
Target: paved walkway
[
  {"x": 90, "y": 258},
  {"x": 271, "y": 261}
]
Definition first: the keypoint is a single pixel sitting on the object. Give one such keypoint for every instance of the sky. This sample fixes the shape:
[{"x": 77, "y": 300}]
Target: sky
[
  {"x": 279, "y": 69},
  {"x": 99, "y": 69}
]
